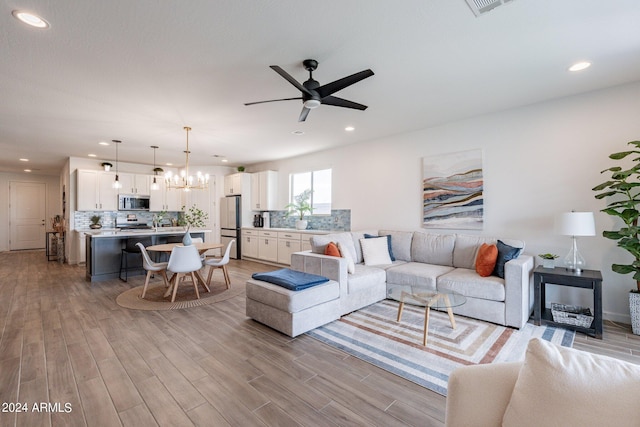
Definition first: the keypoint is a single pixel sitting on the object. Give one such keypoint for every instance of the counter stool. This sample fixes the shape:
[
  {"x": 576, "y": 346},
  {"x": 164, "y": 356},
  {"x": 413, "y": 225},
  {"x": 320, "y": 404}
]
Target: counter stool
[{"x": 130, "y": 248}]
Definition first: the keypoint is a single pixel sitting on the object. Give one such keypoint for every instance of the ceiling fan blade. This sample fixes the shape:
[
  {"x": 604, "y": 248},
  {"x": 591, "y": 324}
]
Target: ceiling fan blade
[
  {"x": 303, "y": 114},
  {"x": 272, "y": 100},
  {"x": 339, "y": 102},
  {"x": 330, "y": 88},
  {"x": 290, "y": 79}
]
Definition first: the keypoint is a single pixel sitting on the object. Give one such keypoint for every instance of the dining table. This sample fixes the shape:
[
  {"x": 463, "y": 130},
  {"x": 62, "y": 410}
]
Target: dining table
[{"x": 202, "y": 247}]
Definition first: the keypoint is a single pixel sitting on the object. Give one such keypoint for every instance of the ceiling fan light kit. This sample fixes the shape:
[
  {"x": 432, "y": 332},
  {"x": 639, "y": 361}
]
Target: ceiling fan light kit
[{"x": 313, "y": 94}]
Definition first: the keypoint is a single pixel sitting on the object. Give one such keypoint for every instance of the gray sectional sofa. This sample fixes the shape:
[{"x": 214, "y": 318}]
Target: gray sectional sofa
[{"x": 444, "y": 262}]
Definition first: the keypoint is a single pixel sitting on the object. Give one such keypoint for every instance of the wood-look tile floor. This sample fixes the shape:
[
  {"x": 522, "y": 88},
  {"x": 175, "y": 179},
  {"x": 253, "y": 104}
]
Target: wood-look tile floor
[{"x": 69, "y": 346}]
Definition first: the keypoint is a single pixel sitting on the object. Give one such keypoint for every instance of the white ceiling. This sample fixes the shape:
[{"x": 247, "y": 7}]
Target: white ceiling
[{"x": 140, "y": 70}]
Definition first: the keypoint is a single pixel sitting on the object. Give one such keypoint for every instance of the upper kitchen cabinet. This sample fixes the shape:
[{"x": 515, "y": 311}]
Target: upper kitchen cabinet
[
  {"x": 164, "y": 199},
  {"x": 264, "y": 187},
  {"x": 95, "y": 191},
  {"x": 236, "y": 184},
  {"x": 134, "y": 184}
]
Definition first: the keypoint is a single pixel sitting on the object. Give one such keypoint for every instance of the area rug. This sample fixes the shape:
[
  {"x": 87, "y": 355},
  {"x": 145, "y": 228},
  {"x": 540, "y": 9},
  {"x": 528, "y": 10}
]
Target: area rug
[
  {"x": 373, "y": 335},
  {"x": 185, "y": 298}
]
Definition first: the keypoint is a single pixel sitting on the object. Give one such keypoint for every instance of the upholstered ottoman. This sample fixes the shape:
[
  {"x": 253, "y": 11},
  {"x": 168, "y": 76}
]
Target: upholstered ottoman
[{"x": 293, "y": 312}]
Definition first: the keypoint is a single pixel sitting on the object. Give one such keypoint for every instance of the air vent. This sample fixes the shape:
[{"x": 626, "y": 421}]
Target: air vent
[{"x": 480, "y": 7}]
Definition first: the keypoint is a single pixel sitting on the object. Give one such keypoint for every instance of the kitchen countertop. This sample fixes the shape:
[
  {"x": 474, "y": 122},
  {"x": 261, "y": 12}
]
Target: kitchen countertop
[
  {"x": 293, "y": 230},
  {"x": 115, "y": 232}
]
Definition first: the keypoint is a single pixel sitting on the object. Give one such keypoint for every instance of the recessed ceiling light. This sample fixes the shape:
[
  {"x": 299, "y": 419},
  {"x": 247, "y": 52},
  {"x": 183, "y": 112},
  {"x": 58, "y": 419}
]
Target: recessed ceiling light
[
  {"x": 24, "y": 160},
  {"x": 349, "y": 128},
  {"x": 91, "y": 155},
  {"x": 30, "y": 19},
  {"x": 103, "y": 143},
  {"x": 169, "y": 164},
  {"x": 579, "y": 66},
  {"x": 224, "y": 160},
  {"x": 298, "y": 132},
  {"x": 27, "y": 170}
]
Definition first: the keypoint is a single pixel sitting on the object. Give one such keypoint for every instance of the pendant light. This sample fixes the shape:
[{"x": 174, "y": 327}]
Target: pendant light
[
  {"x": 117, "y": 184},
  {"x": 184, "y": 181},
  {"x": 154, "y": 184}
]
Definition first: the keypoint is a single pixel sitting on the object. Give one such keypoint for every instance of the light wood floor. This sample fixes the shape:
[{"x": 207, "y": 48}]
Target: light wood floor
[{"x": 65, "y": 342}]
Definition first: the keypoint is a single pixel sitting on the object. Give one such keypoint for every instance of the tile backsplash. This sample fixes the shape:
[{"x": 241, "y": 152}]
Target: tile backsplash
[
  {"x": 82, "y": 219},
  {"x": 339, "y": 220}
]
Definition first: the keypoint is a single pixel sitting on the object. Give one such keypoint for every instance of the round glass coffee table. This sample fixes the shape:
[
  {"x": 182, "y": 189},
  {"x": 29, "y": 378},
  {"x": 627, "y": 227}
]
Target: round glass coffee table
[{"x": 422, "y": 297}]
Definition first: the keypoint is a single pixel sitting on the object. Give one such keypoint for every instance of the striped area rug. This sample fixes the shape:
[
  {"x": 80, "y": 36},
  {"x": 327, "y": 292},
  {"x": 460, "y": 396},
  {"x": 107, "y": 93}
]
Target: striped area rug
[{"x": 373, "y": 334}]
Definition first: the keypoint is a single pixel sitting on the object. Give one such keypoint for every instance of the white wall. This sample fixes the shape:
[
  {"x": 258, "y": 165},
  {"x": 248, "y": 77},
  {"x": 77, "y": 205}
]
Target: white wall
[
  {"x": 539, "y": 160},
  {"x": 53, "y": 203}
]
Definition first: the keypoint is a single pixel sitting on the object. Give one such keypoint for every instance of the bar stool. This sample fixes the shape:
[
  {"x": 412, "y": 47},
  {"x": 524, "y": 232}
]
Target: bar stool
[{"x": 130, "y": 248}]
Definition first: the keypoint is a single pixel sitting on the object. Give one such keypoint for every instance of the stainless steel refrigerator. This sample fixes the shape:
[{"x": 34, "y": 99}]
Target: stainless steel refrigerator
[{"x": 230, "y": 223}]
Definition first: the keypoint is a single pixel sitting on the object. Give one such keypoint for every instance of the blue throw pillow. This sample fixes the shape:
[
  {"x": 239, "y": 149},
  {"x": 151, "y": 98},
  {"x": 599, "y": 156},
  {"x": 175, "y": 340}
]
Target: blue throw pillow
[
  {"x": 388, "y": 236},
  {"x": 505, "y": 253}
]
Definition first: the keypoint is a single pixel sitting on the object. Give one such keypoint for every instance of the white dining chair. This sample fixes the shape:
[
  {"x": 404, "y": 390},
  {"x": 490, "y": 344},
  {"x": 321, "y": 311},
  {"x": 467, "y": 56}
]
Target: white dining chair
[
  {"x": 184, "y": 260},
  {"x": 214, "y": 263},
  {"x": 151, "y": 267}
]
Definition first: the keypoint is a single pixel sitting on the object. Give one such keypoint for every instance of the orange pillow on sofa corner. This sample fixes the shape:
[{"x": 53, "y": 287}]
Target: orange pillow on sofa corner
[
  {"x": 332, "y": 250},
  {"x": 486, "y": 259}
]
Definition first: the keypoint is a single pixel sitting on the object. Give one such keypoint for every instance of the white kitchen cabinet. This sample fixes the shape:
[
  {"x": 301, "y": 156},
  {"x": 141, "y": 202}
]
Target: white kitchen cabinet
[
  {"x": 288, "y": 243},
  {"x": 237, "y": 184},
  {"x": 134, "y": 184},
  {"x": 264, "y": 191},
  {"x": 268, "y": 246},
  {"x": 95, "y": 191},
  {"x": 249, "y": 243},
  {"x": 164, "y": 199}
]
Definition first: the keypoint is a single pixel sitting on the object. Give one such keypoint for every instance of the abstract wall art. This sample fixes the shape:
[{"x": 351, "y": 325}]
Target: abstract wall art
[{"x": 452, "y": 191}]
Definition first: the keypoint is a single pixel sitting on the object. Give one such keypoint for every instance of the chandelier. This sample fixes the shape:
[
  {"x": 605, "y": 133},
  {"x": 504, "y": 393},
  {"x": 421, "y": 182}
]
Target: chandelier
[{"x": 184, "y": 181}]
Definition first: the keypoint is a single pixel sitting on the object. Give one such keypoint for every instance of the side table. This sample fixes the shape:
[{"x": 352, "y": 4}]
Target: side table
[{"x": 587, "y": 279}]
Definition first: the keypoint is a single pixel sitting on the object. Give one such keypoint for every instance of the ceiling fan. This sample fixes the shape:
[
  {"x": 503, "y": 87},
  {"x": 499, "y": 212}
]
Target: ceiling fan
[{"x": 313, "y": 94}]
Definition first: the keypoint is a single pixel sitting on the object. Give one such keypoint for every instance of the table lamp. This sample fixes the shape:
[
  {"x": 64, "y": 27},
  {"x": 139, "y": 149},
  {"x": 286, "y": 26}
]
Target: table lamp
[{"x": 576, "y": 224}]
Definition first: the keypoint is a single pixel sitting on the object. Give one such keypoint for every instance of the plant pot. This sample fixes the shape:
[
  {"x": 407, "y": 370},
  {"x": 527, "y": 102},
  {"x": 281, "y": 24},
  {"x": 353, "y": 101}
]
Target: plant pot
[
  {"x": 634, "y": 310},
  {"x": 95, "y": 226},
  {"x": 548, "y": 263},
  {"x": 301, "y": 224}
]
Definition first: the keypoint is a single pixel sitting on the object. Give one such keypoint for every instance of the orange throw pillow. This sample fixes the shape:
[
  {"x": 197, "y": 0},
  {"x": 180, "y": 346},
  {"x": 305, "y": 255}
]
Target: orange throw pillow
[
  {"x": 486, "y": 259},
  {"x": 332, "y": 250}
]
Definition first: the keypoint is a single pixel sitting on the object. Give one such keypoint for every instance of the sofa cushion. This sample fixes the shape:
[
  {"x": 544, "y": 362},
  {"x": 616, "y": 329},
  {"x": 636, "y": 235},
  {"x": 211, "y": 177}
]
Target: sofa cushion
[
  {"x": 375, "y": 251},
  {"x": 432, "y": 248},
  {"x": 365, "y": 277},
  {"x": 468, "y": 283},
  {"x": 466, "y": 249},
  {"x": 486, "y": 259},
  {"x": 564, "y": 386},
  {"x": 347, "y": 256},
  {"x": 319, "y": 242},
  {"x": 505, "y": 253},
  {"x": 332, "y": 250},
  {"x": 388, "y": 237},
  {"x": 400, "y": 243},
  {"x": 416, "y": 274}
]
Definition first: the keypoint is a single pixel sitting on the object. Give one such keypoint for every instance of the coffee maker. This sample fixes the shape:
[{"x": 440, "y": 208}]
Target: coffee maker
[{"x": 258, "y": 221}]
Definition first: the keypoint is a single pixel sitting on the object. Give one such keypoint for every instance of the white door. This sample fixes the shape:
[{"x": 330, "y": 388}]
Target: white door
[{"x": 28, "y": 215}]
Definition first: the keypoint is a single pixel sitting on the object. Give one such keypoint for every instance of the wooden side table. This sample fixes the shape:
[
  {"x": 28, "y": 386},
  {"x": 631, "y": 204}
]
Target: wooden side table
[{"x": 587, "y": 279}]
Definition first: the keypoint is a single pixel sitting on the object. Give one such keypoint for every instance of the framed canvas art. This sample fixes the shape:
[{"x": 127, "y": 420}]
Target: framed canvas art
[{"x": 452, "y": 191}]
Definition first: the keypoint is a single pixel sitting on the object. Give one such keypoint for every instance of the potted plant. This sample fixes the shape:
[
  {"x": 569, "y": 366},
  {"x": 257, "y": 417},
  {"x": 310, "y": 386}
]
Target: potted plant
[
  {"x": 300, "y": 206},
  {"x": 193, "y": 217},
  {"x": 548, "y": 260},
  {"x": 95, "y": 222},
  {"x": 240, "y": 168},
  {"x": 106, "y": 166},
  {"x": 623, "y": 189}
]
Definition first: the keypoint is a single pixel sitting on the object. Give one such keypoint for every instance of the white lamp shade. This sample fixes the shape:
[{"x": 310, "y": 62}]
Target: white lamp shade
[{"x": 576, "y": 224}]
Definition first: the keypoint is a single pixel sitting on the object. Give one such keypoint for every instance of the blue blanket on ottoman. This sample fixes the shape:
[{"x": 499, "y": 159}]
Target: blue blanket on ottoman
[{"x": 291, "y": 279}]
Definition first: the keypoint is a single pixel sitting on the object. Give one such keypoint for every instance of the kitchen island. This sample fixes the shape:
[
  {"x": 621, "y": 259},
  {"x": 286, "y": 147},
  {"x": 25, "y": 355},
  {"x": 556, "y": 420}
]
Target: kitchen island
[{"x": 104, "y": 249}]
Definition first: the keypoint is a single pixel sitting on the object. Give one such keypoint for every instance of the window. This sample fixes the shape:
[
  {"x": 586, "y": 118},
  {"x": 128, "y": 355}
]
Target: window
[{"x": 319, "y": 182}]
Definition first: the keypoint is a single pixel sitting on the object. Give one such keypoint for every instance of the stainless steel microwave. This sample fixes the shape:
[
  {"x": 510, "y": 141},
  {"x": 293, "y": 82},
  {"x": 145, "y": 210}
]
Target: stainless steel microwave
[{"x": 127, "y": 202}]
